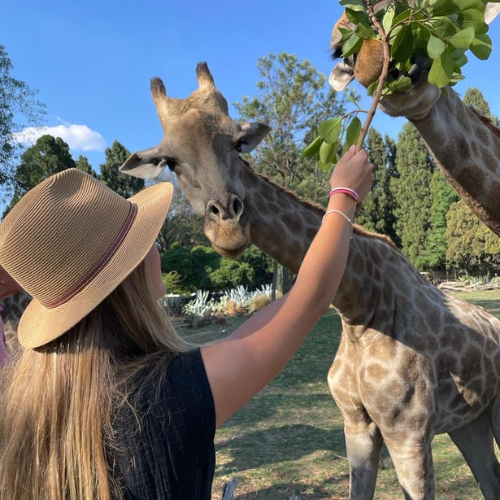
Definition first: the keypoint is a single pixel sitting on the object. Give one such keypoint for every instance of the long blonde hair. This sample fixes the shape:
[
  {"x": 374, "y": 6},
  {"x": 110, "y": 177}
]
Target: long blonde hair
[{"x": 57, "y": 401}]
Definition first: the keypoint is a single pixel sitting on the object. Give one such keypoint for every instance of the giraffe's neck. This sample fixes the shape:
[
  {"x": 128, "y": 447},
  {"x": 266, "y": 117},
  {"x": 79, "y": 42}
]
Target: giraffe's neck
[
  {"x": 283, "y": 226},
  {"x": 12, "y": 309},
  {"x": 467, "y": 148},
  {"x": 14, "y": 305}
]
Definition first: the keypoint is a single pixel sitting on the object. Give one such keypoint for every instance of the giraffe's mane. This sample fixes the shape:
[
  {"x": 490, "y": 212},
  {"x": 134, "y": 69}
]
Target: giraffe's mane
[
  {"x": 488, "y": 122},
  {"x": 316, "y": 207}
]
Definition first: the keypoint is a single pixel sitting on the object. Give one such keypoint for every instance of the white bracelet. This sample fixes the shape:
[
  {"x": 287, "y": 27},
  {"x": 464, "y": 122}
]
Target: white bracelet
[{"x": 340, "y": 213}]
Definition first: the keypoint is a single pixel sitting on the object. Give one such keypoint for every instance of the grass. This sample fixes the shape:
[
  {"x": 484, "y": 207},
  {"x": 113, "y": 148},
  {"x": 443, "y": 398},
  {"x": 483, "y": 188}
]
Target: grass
[{"x": 289, "y": 439}]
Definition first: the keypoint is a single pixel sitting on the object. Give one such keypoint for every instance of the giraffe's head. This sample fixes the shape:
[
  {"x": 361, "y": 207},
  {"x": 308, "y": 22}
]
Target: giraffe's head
[
  {"x": 366, "y": 66},
  {"x": 202, "y": 145}
]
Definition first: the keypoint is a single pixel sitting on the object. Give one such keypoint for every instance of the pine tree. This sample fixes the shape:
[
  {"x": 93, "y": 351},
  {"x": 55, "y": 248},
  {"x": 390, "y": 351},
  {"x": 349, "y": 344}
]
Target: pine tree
[
  {"x": 412, "y": 195},
  {"x": 475, "y": 99},
  {"x": 378, "y": 206},
  {"x": 48, "y": 156},
  {"x": 124, "y": 185},
  {"x": 291, "y": 101},
  {"x": 17, "y": 102},
  {"x": 83, "y": 164},
  {"x": 442, "y": 196}
]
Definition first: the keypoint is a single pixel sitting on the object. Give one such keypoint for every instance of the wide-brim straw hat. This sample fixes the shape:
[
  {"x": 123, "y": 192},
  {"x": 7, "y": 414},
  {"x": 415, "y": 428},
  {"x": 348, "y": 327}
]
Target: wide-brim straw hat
[{"x": 70, "y": 241}]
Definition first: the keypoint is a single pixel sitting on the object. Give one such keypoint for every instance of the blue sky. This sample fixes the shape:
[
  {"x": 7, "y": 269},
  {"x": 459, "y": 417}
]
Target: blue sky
[{"x": 92, "y": 61}]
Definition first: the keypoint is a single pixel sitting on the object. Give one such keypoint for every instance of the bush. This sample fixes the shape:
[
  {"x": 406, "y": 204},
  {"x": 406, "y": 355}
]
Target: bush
[{"x": 258, "y": 302}]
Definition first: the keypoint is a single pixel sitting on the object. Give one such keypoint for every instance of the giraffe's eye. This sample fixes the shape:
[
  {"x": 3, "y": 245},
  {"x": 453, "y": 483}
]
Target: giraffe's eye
[{"x": 171, "y": 164}]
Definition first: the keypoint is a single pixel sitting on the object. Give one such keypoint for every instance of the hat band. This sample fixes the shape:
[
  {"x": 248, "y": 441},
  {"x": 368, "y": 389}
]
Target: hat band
[{"x": 82, "y": 283}]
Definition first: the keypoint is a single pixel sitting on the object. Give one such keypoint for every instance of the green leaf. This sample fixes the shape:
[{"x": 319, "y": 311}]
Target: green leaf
[
  {"x": 329, "y": 130},
  {"x": 469, "y": 4},
  {"x": 365, "y": 33},
  {"x": 401, "y": 17},
  {"x": 352, "y": 46},
  {"x": 326, "y": 152},
  {"x": 463, "y": 39},
  {"x": 313, "y": 148},
  {"x": 358, "y": 5},
  {"x": 457, "y": 77},
  {"x": 346, "y": 34},
  {"x": 441, "y": 70},
  {"x": 324, "y": 167},
  {"x": 358, "y": 17},
  {"x": 372, "y": 88},
  {"x": 388, "y": 18},
  {"x": 402, "y": 84},
  {"x": 475, "y": 19},
  {"x": 481, "y": 47},
  {"x": 444, "y": 8},
  {"x": 459, "y": 58},
  {"x": 435, "y": 47},
  {"x": 402, "y": 47},
  {"x": 353, "y": 131}
]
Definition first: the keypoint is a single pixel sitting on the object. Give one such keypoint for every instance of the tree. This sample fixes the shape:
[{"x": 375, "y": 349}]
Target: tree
[
  {"x": 472, "y": 247},
  {"x": 443, "y": 196},
  {"x": 124, "y": 185},
  {"x": 475, "y": 99},
  {"x": 412, "y": 195},
  {"x": 291, "y": 100},
  {"x": 378, "y": 213},
  {"x": 48, "y": 156},
  {"x": 83, "y": 164},
  {"x": 18, "y": 108}
]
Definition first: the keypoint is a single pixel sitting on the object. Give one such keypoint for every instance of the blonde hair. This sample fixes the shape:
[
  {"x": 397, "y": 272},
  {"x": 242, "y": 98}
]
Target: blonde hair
[{"x": 57, "y": 401}]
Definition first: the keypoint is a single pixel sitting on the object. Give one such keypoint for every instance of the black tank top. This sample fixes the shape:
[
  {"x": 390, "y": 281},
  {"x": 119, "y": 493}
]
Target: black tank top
[{"x": 170, "y": 455}]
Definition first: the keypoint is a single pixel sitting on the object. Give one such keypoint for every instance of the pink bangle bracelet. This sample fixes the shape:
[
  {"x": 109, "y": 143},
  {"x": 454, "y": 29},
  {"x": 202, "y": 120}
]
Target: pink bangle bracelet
[{"x": 347, "y": 191}]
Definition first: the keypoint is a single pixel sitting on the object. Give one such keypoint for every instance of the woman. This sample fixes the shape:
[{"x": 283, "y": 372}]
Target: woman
[{"x": 106, "y": 401}]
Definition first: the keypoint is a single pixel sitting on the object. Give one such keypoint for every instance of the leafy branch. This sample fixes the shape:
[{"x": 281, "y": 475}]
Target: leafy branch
[{"x": 438, "y": 32}]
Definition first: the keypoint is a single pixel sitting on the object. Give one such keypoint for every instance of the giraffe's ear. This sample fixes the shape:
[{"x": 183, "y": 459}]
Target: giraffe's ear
[
  {"x": 253, "y": 135},
  {"x": 145, "y": 164},
  {"x": 491, "y": 11}
]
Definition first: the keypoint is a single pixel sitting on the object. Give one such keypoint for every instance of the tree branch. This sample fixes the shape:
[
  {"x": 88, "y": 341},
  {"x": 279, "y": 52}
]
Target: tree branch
[{"x": 383, "y": 76}]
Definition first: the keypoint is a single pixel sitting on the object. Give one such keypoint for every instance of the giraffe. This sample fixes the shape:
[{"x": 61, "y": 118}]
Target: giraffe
[
  {"x": 412, "y": 362},
  {"x": 465, "y": 145},
  {"x": 13, "y": 308}
]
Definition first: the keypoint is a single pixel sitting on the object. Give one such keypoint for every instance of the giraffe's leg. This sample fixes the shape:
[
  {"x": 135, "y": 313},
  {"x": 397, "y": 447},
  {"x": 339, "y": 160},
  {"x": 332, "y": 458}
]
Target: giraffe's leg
[
  {"x": 363, "y": 443},
  {"x": 475, "y": 442},
  {"x": 414, "y": 466}
]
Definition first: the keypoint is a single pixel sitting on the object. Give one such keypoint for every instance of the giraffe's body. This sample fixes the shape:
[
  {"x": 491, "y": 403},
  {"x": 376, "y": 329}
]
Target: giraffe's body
[
  {"x": 412, "y": 361},
  {"x": 13, "y": 307}
]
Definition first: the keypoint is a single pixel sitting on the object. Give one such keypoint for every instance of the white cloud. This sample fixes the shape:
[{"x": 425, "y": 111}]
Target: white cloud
[{"x": 78, "y": 137}]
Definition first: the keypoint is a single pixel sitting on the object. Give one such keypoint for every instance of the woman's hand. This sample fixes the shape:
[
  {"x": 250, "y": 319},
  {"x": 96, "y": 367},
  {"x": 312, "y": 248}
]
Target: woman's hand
[{"x": 353, "y": 171}]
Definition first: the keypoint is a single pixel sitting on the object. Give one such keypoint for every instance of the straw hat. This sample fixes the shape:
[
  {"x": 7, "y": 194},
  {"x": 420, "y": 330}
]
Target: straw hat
[{"x": 70, "y": 242}]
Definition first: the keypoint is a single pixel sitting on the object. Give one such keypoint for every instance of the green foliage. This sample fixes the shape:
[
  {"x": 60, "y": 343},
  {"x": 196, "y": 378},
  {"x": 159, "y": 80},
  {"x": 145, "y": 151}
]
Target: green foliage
[
  {"x": 378, "y": 213},
  {"x": 292, "y": 101},
  {"x": 442, "y": 31},
  {"x": 124, "y": 185},
  {"x": 475, "y": 99},
  {"x": 442, "y": 196},
  {"x": 18, "y": 108},
  {"x": 83, "y": 164},
  {"x": 202, "y": 268},
  {"x": 472, "y": 247},
  {"x": 48, "y": 156},
  {"x": 412, "y": 195}
]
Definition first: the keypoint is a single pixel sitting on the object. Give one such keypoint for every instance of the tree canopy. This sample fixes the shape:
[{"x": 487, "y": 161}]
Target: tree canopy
[{"x": 18, "y": 109}]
